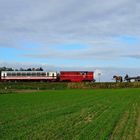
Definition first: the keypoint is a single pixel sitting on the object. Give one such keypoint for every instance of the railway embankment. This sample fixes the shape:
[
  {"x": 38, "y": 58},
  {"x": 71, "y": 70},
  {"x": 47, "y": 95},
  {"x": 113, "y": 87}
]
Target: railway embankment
[{"x": 8, "y": 87}]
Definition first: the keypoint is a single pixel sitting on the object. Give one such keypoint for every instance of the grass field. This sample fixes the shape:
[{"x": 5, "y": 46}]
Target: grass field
[{"x": 110, "y": 114}]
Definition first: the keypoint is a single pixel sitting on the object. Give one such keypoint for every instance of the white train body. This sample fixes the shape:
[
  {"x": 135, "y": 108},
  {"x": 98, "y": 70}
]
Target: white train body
[{"x": 28, "y": 75}]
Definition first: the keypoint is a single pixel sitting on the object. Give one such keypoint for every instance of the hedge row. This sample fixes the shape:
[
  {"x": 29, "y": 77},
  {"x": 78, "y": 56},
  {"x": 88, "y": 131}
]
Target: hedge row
[
  {"x": 32, "y": 85},
  {"x": 64, "y": 85},
  {"x": 103, "y": 85}
]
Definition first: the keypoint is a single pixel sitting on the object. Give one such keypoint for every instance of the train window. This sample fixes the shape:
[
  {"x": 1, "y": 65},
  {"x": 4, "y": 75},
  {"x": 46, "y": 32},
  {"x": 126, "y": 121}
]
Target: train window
[
  {"x": 9, "y": 74},
  {"x": 34, "y": 74},
  {"x": 38, "y": 74},
  {"x": 13, "y": 74},
  {"x": 82, "y": 73},
  {"x": 23, "y": 74},
  {"x": 28, "y": 74},
  {"x": 18, "y": 74},
  {"x": 47, "y": 74},
  {"x": 52, "y": 74},
  {"x": 43, "y": 74}
]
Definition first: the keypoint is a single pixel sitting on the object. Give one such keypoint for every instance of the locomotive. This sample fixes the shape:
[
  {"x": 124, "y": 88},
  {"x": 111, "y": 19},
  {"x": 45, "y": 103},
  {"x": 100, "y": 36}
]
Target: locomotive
[
  {"x": 63, "y": 76},
  {"x": 76, "y": 76}
]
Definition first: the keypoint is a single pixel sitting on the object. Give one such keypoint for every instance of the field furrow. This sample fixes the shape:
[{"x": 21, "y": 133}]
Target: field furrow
[{"x": 71, "y": 115}]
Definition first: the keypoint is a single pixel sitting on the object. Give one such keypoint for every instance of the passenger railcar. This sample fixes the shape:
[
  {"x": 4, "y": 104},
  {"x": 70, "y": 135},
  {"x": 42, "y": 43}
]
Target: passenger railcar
[
  {"x": 28, "y": 76},
  {"x": 76, "y": 76}
]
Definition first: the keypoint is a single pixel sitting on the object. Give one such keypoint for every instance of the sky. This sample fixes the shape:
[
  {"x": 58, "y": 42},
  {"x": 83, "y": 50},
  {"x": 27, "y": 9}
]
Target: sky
[{"x": 97, "y": 35}]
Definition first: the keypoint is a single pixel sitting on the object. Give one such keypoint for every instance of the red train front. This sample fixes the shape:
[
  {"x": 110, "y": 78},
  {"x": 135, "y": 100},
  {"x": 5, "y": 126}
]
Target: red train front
[{"x": 76, "y": 76}]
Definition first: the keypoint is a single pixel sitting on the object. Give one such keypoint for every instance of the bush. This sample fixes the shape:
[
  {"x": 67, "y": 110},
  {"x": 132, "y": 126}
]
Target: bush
[
  {"x": 64, "y": 85},
  {"x": 103, "y": 85}
]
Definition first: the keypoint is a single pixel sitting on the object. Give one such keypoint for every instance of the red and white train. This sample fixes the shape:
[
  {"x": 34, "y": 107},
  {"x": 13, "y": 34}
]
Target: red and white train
[{"x": 69, "y": 76}]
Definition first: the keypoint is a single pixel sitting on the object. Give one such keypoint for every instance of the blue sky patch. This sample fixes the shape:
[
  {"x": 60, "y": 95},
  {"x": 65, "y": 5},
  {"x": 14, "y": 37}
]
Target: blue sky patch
[
  {"x": 130, "y": 40},
  {"x": 69, "y": 47}
]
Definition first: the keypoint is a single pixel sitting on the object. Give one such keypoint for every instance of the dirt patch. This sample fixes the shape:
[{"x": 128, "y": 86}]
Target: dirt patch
[
  {"x": 137, "y": 131},
  {"x": 28, "y": 91}
]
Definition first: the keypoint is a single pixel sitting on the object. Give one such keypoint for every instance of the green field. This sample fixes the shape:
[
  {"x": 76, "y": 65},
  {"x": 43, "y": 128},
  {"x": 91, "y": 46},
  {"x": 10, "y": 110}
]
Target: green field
[{"x": 103, "y": 114}]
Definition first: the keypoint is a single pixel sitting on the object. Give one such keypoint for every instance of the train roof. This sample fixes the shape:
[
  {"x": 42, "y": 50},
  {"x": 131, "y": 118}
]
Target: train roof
[
  {"x": 76, "y": 71},
  {"x": 27, "y": 71}
]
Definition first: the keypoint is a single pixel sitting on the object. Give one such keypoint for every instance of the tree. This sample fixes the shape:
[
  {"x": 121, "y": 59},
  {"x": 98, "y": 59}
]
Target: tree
[
  {"x": 29, "y": 69},
  {"x": 41, "y": 69}
]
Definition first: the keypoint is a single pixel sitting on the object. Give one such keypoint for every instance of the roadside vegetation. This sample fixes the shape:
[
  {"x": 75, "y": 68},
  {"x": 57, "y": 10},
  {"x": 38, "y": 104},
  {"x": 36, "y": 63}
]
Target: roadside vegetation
[{"x": 5, "y": 86}]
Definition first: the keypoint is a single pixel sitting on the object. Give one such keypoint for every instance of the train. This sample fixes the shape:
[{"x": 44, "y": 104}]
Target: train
[{"x": 62, "y": 76}]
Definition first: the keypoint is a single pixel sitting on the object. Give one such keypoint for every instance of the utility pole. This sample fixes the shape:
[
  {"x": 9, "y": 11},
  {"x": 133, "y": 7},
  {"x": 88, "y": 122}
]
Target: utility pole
[{"x": 99, "y": 74}]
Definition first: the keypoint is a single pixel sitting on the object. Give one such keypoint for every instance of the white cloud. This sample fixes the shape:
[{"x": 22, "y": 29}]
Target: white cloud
[
  {"x": 49, "y": 20},
  {"x": 95, "y": 23}
]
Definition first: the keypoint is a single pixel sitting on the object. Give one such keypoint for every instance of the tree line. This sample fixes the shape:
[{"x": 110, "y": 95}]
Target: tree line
[{"x": 20, "y": 69}]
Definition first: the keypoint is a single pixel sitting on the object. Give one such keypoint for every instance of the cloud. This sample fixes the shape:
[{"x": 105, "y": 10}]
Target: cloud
[
  {"x": 108, "y": 29},
  {"x": 135, "y": 56},
  {"x": 74, "y": 54},
  {"x": 48, "y": 21}
]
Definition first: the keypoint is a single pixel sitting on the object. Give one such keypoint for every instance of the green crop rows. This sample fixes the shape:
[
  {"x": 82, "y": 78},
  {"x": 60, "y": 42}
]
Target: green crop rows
[{"x": 103, "y": 114}]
